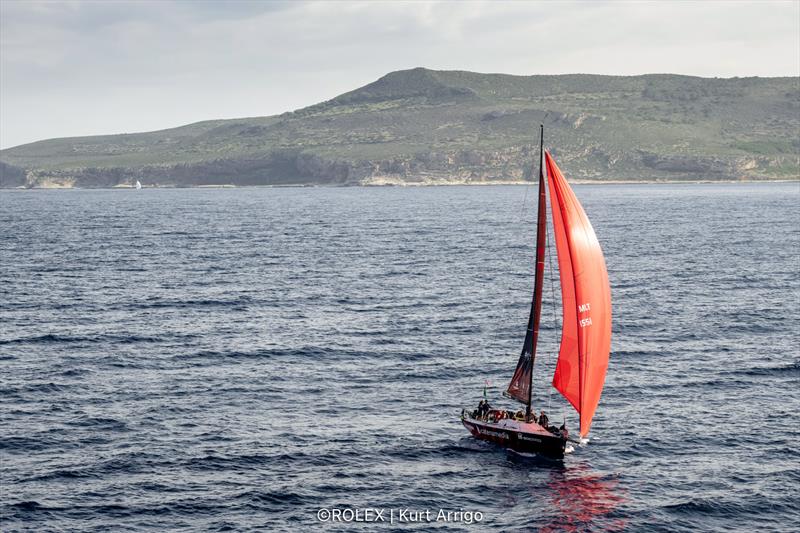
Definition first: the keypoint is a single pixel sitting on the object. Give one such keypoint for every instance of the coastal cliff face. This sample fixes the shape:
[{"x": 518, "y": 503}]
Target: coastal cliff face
[{"x": 429, "y": 127}]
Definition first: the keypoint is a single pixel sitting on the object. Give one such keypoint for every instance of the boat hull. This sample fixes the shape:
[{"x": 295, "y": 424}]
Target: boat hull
[{"x": 517, "y": 436}]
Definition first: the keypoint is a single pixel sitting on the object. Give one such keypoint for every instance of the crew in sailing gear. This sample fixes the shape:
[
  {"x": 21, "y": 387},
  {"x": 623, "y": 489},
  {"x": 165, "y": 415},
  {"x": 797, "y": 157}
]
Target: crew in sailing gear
[
  {"x": 486, "y": 409},
  {"x": 543, "y": 420}
]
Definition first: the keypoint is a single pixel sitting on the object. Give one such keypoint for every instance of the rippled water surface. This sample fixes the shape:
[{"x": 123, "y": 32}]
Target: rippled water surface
[{"x": 239, "y": 359}]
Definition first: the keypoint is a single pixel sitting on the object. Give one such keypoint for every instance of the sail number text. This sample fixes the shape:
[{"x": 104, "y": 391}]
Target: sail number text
[{"x": 585, "y": 308}]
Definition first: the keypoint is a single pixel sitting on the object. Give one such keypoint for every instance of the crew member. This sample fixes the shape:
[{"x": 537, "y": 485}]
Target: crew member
[
  {"x": 483, "y": 409},
  {"x": 543, "y": 419}
]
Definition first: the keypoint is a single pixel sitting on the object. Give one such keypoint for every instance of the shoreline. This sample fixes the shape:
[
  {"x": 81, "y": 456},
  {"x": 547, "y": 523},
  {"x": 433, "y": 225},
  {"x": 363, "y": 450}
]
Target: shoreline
[{"x": 453, "y": 183}]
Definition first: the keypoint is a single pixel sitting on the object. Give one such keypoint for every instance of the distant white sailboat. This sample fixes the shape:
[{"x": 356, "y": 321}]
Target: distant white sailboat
[{"x": 138, "y": 185}]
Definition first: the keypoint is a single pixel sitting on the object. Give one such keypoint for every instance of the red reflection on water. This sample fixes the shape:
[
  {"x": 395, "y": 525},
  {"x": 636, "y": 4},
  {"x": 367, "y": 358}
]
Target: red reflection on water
[{"x": 582, "y": 500}]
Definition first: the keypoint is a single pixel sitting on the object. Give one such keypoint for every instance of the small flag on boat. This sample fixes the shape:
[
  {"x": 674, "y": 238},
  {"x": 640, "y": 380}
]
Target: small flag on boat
[{"x": 485, "y": 384}]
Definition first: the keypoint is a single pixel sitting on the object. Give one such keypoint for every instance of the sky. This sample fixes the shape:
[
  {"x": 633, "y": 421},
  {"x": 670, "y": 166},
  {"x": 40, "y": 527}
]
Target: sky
[{"x": 76, "y": 68}]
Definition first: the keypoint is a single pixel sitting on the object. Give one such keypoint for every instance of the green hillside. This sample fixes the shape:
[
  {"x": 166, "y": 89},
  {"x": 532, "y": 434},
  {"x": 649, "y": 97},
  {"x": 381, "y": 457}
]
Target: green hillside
[{"x": 424, "y": 126}]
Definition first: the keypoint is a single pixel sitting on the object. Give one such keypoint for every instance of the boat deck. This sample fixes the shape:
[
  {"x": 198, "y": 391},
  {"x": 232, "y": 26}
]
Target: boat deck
[{"x": 517, "y": 435}]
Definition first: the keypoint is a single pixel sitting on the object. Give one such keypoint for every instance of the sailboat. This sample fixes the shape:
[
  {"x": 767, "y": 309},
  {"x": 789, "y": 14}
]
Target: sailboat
[
  {"x": 586, "y": 327},
  {"x": 138, "y": 185}
]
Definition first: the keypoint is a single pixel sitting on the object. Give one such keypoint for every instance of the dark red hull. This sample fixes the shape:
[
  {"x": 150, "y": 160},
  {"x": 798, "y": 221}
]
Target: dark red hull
[{"x": 517, "y": 436}]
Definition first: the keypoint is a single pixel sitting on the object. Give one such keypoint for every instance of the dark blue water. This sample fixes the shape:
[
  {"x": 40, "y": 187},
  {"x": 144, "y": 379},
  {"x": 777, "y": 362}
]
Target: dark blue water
[{"x": 237, "y": 360}]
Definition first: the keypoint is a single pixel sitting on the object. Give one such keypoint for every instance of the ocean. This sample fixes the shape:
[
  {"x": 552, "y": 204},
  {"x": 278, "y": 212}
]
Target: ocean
[{"x": 283, "y": 359}]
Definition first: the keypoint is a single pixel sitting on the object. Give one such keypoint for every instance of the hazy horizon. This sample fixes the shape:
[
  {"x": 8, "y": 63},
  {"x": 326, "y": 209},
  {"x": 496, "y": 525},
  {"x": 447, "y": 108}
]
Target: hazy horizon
[{"x": 72, "y": 69}]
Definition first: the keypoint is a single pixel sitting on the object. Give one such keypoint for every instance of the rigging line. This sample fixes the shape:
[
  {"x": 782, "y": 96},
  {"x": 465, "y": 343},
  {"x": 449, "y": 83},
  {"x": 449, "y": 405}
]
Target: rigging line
[
  {"x": 522, "y": 219},
  {"x": 549, "y": 254},
  {"x": 524, "y": 204},
  {"x": 524, "y": 200}
]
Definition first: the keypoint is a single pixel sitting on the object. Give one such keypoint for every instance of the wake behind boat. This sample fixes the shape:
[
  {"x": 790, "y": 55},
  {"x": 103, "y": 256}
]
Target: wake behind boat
[{"x": 586, "y": 327}]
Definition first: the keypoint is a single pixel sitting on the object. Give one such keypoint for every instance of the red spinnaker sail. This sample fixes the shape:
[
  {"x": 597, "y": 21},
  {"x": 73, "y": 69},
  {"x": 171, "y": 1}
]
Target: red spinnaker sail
[{"x": 586, "y": 300}]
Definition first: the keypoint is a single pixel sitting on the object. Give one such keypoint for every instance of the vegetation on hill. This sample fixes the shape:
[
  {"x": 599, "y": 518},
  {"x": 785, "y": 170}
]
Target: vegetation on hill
[{"x": 425, "y": 126}]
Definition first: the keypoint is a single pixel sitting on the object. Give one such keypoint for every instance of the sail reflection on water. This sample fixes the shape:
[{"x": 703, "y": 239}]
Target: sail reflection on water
[{"x": 584, "y": 500}]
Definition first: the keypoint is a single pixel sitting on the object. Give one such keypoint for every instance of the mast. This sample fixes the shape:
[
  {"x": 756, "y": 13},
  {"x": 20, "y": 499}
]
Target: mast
[
  {"x": 521, "y": 384},
  {"x": 538, "y": 284}
]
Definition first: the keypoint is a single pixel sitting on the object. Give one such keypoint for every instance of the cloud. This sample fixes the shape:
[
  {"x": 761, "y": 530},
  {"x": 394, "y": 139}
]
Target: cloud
[{"x": 78, "y": 68}]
